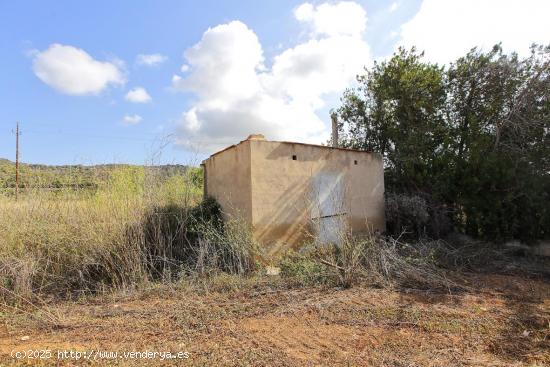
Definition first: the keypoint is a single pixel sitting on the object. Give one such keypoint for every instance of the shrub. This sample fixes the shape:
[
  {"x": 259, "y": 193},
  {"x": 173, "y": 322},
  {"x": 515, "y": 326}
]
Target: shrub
[
  {"x": 372, "y": 260},
  {"x": 230, "y": 248},
  {"x": 302, "y": 268},
  {"x": 416, "y": 216}
]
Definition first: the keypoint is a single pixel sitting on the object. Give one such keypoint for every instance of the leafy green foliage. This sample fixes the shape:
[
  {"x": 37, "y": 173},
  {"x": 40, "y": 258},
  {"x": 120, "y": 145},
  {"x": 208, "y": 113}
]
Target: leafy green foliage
[
  {"x": 302, "y": 268},
  {"x": 473, "y": 138}
]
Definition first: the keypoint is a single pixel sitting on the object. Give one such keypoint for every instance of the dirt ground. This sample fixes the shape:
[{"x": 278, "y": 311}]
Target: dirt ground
[{"x": 502, "y": 320}]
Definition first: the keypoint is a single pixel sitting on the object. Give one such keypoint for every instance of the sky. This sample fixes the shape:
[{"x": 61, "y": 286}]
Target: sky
[{"x": 156, "y": 82}]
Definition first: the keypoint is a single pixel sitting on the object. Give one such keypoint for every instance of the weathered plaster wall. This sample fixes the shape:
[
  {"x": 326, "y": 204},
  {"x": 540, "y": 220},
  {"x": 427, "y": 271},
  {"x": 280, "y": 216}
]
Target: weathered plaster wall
[
  {"x": 227, "y": 175},
  {"x": 281, "y": 198},
  {"x": 284, "y": 198}
]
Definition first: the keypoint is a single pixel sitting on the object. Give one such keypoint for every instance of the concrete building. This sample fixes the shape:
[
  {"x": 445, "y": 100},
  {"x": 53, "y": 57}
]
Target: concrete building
[{"x": 291, "y": 193}]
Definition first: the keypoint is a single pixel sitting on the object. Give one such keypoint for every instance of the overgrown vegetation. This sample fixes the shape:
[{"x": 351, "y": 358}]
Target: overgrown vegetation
[
  {"x": 385, "y": 262},
  {"x": 466, "y": 148},
  {"x": 137, "y": 226},
  {"x": 471, "y": 141},
  {"x": 59, "y": 178}
]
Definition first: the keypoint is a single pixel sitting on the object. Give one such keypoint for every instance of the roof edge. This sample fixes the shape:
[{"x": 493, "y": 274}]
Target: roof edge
[{"x": 288, "y": 142}]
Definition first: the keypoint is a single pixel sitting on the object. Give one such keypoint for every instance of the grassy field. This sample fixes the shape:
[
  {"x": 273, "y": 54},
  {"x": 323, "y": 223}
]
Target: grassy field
[
  {"x": 136, "y": 260},
  {"x": 78, "y": 239},
  {"x": 46, "y": 177}
]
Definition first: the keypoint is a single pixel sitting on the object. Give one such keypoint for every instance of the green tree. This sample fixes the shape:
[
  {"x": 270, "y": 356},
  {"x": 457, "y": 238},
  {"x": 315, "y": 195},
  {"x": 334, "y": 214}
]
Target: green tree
[
  {"x": 498, "y": 114},
  {"x": 473, "y": 138},
  {"x": 398, "y": 110}
]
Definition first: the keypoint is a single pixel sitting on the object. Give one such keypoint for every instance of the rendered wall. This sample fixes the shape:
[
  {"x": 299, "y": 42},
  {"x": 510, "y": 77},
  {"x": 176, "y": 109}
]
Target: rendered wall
[
  {"x": 284, "y": 190},
  {"x": 227, "y": 178}
]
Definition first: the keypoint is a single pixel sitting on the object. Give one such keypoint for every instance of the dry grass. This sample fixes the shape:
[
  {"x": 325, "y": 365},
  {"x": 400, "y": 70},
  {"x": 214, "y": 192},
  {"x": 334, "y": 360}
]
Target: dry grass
[
  {"x": 385, "y": 262},
  {"x": 140, "y": 265},
  {"x": 133, "y": 229},
  {"x": 71, "y": 241},
  {"x": 377, "y": 261},
  {"x": 236, "y": 321}
]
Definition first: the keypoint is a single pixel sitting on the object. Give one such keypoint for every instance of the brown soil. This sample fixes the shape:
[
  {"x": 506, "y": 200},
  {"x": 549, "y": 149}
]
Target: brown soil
[{"x": 502, "y": 321}]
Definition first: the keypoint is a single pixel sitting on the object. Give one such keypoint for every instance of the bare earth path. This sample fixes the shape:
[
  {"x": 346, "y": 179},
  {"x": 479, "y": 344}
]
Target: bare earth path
[{"x": 502, "y": 321}]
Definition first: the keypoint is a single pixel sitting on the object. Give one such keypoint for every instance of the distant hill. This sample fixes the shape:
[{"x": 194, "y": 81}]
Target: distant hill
[{"x": 53, "y": 176}]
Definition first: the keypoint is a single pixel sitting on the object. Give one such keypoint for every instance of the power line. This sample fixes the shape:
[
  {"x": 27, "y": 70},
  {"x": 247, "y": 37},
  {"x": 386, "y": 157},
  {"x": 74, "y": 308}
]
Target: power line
[
  {"x": 168, "y": 137},
  {"x": 94, "y": 136}
]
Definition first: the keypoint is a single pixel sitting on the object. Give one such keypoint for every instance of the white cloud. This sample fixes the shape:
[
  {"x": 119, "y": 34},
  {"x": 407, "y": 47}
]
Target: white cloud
[
  {"x": 238, "y": 95},
  {"x": 343, "y": 18},
  {"x": 138, "y": 95},
  {"x": 317, "y": 67},
  {"x": 224, "y": 63},
  {"x": 73, "y": 71},
  {"x": 150, "y": 59},
  {"x": 448, "y": 29},
  {"x": 393, "y": 7},
  {"x": 131, "y": 119}
]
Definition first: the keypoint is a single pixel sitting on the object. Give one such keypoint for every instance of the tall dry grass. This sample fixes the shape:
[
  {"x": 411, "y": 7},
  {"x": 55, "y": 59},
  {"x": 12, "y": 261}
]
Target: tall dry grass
[
  {"x": 135, "y": 227},
  {"x": 378, "y": 261}
]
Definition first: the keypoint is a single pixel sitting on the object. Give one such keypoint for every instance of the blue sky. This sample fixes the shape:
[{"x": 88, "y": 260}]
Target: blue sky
[{"x": 273, "y": 67}]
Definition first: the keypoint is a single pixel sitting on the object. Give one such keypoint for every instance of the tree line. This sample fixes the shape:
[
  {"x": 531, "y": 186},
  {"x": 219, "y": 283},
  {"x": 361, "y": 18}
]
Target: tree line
[{"x": 471, "y": 138}]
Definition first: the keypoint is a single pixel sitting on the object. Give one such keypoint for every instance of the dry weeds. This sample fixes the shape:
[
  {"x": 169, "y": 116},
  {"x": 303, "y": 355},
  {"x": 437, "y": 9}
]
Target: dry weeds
[{"x": 231, "y": 321}]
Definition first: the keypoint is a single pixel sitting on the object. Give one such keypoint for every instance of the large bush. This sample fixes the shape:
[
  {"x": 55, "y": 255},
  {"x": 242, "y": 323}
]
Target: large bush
[
  {"x": 474, "y": 137},
  {"x": 416, "y": 216}
]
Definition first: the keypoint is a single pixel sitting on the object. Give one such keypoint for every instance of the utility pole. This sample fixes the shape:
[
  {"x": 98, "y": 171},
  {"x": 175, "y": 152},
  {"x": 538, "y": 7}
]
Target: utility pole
[{"x": 17, "y": 133}]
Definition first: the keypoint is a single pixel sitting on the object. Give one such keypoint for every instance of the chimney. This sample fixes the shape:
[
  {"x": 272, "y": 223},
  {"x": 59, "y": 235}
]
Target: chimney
[
  {"x": 255, "y": 137},
  {"x": 334, "y": 119}
]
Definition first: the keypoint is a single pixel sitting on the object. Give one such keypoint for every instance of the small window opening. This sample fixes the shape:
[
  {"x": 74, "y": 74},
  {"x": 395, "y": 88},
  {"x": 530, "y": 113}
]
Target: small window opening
[
  {"x": 355, "y": 162},
  {"x": 293, "y": 157}
]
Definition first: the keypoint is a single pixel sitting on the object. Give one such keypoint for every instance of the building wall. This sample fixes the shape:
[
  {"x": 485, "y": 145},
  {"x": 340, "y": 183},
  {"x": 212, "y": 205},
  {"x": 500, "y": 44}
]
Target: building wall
[
  {"x": 287, "y": 195},
  {"x": 288, "y": 202},
  {"x": 227, "y": 176}
]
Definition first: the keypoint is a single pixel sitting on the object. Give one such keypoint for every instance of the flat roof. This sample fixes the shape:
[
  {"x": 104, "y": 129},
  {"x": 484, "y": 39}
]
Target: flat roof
[{"x": 288, "y": 142}]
